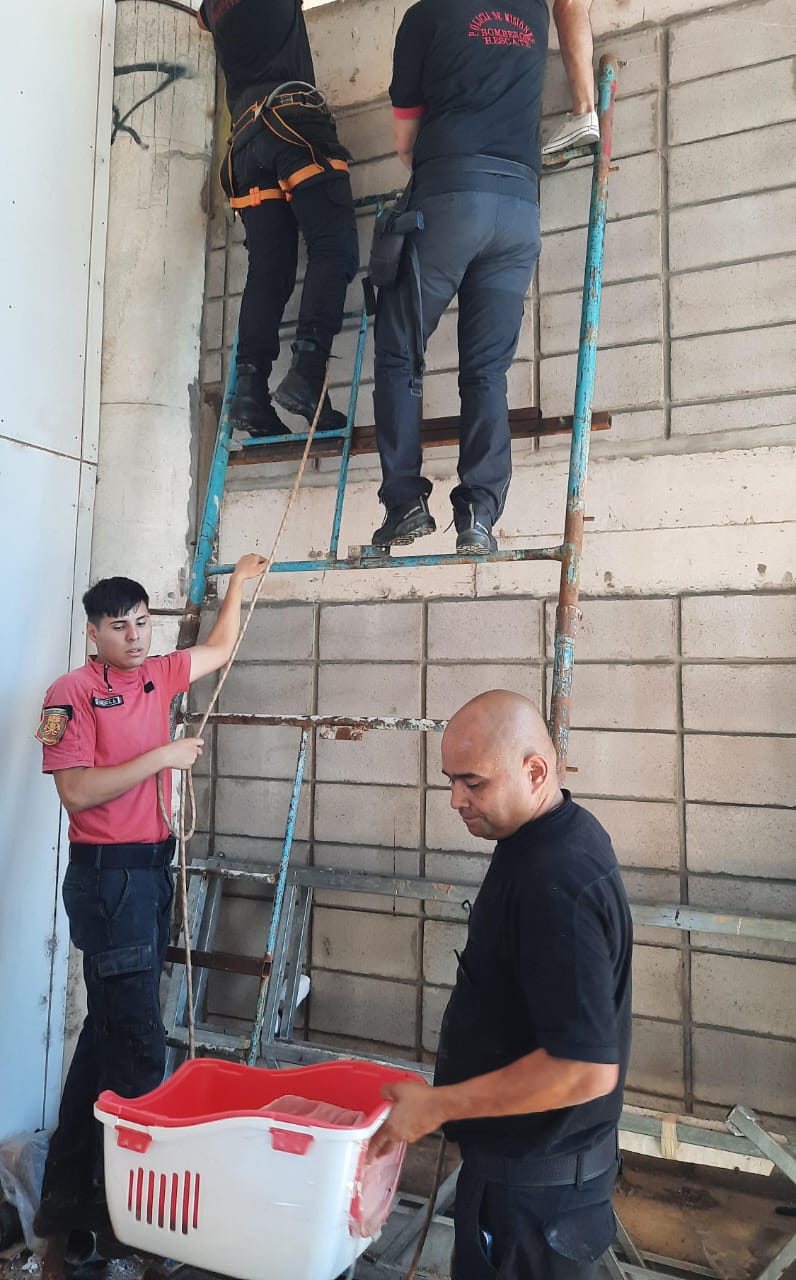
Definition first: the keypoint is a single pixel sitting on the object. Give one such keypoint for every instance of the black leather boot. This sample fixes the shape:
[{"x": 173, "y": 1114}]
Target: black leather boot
[
  {"x": 251, "y": 409},
  {"x": 299, "y": 390}
]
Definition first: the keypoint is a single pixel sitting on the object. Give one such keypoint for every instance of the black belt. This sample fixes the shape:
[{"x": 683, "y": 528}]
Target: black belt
[
  {"x": 439, "y": 169},
  {"x": 543, "y": 1171},
  {"x": 130, "y": 857}
]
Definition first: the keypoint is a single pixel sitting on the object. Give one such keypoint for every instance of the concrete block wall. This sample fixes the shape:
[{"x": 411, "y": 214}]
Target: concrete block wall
[
  {"x": 684, "y": 694},
  {"x": 695, "y": 795}
]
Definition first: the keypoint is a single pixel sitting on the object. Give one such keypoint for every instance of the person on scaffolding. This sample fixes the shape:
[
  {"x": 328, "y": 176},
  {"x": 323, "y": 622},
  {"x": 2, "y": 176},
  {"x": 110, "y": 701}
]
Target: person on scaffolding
[
  {"x": 284, "y": 171},
  {"x": 535, "y": 1040},
  {"x": 105, "y": 735},
  {"x": 466, "y": 96}
]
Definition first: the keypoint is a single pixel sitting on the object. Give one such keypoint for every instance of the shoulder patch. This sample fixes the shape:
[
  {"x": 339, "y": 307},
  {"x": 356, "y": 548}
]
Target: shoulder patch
[{"x": 53, "y": 724}]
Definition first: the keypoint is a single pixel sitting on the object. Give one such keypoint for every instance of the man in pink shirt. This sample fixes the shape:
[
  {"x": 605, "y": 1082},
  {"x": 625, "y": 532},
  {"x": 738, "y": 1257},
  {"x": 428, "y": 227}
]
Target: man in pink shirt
[{"x": 105, "y": 734}]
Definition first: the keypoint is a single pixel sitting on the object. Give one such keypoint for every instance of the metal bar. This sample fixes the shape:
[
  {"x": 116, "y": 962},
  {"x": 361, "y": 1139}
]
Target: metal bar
[
  {"x": 610, "y": 1264},
  {"x": 210, "y": 1041},
  {"x": 293, "y": 437},
  {"x": 278, "y": 896},
  {"x": 365, "y": 557},
  {"x": 687, "y": 918},
  {"x": 290, "y": 1003},
  {"x": 344, "y": 725},
  {"x": 626, "y": 1243},
  {"x": 349, "y": 435},
  {"x": 263, "y": 1043},
  {"x": 211, "y": 512},
  {"x": 204, "y": 936},
  {"x": 567, "y": 612},
  {"x": 741, "y": 1120},
  {"x": 780, "y": 1263}
]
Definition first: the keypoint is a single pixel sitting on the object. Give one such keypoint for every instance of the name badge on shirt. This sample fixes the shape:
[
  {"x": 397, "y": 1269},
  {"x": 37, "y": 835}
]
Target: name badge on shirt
[{"x": 116, "y": 701}]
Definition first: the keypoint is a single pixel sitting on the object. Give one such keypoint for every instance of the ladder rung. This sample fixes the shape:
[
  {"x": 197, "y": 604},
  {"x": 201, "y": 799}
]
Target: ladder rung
[
  {"x": 212, "y": 1041},
  {"x": 223, "y": 962},
  {"x": 526, "y": 424}
]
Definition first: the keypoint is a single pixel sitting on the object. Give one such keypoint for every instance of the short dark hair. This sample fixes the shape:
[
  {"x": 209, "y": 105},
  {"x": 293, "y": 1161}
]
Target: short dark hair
[{"x": 113, "y": 597}]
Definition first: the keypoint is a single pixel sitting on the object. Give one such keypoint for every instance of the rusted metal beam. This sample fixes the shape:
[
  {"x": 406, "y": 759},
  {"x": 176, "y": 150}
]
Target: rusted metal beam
[
  {"x": 222, "y": 962},
  {"x": 344, "y": 728},
  {"x": 526, "y": 424}
]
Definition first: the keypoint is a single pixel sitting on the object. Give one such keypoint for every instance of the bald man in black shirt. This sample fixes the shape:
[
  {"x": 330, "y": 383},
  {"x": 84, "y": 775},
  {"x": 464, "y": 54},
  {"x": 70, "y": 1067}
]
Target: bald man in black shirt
[{"x": 535, "y": 1040}]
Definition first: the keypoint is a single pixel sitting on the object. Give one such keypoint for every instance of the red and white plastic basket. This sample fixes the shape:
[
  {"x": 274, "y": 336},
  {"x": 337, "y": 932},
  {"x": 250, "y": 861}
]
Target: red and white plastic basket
[{"x": 206, "y": 1169}]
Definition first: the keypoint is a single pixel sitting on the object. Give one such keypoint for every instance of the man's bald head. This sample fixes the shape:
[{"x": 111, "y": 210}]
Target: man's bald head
[{"x": 502, "y": 764}]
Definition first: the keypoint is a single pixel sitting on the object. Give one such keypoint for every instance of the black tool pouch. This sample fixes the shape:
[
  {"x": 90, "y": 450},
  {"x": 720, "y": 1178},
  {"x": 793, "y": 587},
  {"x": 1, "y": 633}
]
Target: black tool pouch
[{"x": 390, "y": 230}]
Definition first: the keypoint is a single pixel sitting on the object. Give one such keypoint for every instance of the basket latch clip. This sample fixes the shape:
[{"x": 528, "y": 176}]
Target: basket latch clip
[{"x": 132, "y": 1139}]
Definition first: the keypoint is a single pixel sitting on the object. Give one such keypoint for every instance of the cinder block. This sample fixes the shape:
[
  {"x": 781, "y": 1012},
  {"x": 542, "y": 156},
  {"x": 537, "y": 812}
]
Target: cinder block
[
  {"x": 731, "y": 1067},
  {"x": 629, "y": 313},
  {"x": 485, "y": 629},
  {"x": 441, "y": 940},
  {"x": 231, "y": 316},
  {"x": 740, "y": 699},
  {"x": 210, "y": 368},
  {"x": 647, "y": 884},
  {"x": 729, "y": 166},
  {"x": 386, "y": 816},
  {"x": 449, "y": 687},
  {"x": 632, "y": 251},
  {"x": 252, "y": 807},
  {"x": 708, "y": 107},
  {"x": 627, "y": 378},
  {"x": 445, "y": 829},
  {"x": 237, "y": 268},
  {"x": 635, "y": 127},
  {"x": 369, "y": 689},
  {"x": 201, "y": 791},
  {"x": 638, "y": 49},
  {"x": 656, "y": 1062},
  {"x": 435, "y": 1002},
  {"x": 743, "y": 896},
  {"x": 615, "y": 630},
  {"x": 657, "y": 982},
  {"x": 392, "y": 757},
  {"x": 740, "y": 840},
  {"x": 709, "y": 300},
  {"x": 740, "y": 770},
  {"x": 726, "y": 364},
  {"x": 248, "y": 752},
  {"x": 382, "y": 632},
  {"x": 613, "y": 696},
  {"x": 643, "y": 834},
  {"x": 710, "y": 234},
  {"x": 733, "y": 415},
  {"x": 723, "y": 39},
  {"x": 280, "y": 633},
  {"x": 750, "y": 626},
  {"x": 637, "y": 765},
  {"x": 270, "y": 688},
  {"x": 366, "y": 130},
  {"x": 360, "y": 942},
  {"x": 748, "y": 995},
  {"x": 369, "y": 1008},
  {"x": 215, "y": 268},
  {"x": 212, "y": 324},
  {"x": 634, "y": 189},
  {"x": 384, "y": 862}
]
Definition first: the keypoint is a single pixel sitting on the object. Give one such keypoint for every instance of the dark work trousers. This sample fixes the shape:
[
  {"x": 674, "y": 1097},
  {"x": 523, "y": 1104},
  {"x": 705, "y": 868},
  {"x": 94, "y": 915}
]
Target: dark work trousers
[
  {"x": 120, "y": 920},
  {"x": 518, "y": 1232},
  {"x": 322, "y": 210},
  {"x": 484, "y": 247}
]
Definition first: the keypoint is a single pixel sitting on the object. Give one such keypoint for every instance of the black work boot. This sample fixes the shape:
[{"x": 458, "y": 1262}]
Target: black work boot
[
  {"x": 403, "y": 524},
  {"x": 301, "y": 386},
  {"x": 473, "y": 531},
  {"x": 250, "y": 409}
]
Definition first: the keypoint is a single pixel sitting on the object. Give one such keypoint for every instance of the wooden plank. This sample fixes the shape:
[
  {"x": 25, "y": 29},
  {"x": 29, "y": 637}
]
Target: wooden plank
[
  {"x": 223, "y": 961},
  {"x": 525, "y": 424}
]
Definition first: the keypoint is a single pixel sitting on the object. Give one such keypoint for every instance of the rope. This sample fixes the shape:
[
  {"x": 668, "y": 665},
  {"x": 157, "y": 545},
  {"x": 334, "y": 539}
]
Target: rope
[
  {"x": 421, "y": 1240},
  {"x": 181, "y": 835}
]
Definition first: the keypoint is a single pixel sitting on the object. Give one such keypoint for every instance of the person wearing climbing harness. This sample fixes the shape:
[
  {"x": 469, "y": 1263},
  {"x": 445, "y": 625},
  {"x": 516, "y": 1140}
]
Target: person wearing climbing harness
[
  {"x": 535, "y": 1040},
  {"x": 105, "y": 735},
  {"x": 284, "y": 171}
]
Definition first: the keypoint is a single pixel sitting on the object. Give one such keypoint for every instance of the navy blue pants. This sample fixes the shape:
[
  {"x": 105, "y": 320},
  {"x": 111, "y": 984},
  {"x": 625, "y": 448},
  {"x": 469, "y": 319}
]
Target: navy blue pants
[
  {"x": 484, "y": 247},
  {"x": 518, "y": 1232},
  {"x": 120, "y": 920},
  {"x": 323, "y": 210}
]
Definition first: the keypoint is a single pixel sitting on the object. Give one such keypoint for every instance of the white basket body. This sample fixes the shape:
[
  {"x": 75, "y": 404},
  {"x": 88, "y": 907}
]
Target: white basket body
[{"x": 226, "y": 1196}]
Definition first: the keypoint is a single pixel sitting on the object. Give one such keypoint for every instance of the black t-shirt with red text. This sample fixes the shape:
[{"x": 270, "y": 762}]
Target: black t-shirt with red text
[
  {"x": 474, "y": 75},
  {"x": 258, "y": 42}
]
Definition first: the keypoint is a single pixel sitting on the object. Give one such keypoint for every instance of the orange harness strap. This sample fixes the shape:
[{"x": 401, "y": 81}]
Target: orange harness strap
[
  {"x": 256, "y": 196},
  {"x": 310, "y": 171}
]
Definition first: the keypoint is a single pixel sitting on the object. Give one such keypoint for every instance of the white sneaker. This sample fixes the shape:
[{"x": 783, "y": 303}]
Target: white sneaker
[{"x": 576, "y": 131}]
